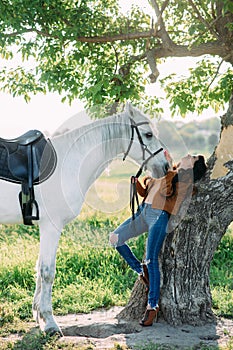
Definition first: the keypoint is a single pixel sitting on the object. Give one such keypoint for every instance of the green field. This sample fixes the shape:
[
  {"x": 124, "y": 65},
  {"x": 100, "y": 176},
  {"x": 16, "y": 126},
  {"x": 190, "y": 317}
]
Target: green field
[{"x": 89, "y": 273}]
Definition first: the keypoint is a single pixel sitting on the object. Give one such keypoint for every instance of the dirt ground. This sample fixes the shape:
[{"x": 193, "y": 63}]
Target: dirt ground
[{"x": 102, "y": 330}]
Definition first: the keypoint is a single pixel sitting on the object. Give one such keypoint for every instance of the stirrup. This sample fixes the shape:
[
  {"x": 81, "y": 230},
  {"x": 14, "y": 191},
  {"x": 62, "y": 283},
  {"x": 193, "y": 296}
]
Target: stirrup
[{"x": 32, "y": 203}]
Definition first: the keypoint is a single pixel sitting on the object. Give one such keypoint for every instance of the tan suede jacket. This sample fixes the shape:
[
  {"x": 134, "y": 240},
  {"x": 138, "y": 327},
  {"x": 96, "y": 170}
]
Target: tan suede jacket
[{"x": 164, "y": 197}]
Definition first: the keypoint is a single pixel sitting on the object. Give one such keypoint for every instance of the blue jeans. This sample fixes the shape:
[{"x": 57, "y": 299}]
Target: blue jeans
[{"x": 154, "y": 222}]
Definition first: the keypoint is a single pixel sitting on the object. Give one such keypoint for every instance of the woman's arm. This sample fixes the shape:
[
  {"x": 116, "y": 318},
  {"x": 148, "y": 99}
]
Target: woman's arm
[
  {"x": 142, "y": 190},
  {"x": 167, "y": 188}
]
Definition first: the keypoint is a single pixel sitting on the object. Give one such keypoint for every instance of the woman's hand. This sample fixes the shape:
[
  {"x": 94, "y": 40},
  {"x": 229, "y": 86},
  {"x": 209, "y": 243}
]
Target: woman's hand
[
  {"x": 134, "y": 180},
  {"x": 169, "y": 158}
]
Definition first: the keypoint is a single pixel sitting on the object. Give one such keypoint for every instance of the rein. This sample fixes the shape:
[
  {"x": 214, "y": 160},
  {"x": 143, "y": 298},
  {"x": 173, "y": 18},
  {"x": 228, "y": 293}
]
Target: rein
[{"x": 133, "y": 189}]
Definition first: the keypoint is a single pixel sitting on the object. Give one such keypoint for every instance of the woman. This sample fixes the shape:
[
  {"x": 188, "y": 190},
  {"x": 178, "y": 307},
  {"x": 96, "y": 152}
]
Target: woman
[{"x": 162, "y": 198}]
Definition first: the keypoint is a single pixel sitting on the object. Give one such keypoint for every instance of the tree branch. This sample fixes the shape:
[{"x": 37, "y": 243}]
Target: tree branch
[
  {"x": 202, "y": 20},
  {"x": 153, "y": 66},
  {"x": 8, "y": 35},
  {"x": 212, "y": 48},
  {"x": 215, "y": 76},
  {"x": 164, "y": 5},
  {"x": 95, "y": 39},
  {"x": 117, "y": 37},
  {"x": 162, "y": 33},
  {"x": 159, "y": 51}
]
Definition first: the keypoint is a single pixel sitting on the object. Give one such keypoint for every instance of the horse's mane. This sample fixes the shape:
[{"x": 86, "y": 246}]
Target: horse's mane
[
  {"x": 112, "y": 127},
  {"x": 83, "y": 132}
]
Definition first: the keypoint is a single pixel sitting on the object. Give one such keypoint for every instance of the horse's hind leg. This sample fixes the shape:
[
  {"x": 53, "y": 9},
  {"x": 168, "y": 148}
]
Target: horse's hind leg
[{"x": 42, "y": 304}]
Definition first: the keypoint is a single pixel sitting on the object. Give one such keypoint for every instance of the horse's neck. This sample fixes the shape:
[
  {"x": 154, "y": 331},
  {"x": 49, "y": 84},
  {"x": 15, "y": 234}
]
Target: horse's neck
[
  {"x": 88, "y": 150},
  {"x": 115, "y": 134}
]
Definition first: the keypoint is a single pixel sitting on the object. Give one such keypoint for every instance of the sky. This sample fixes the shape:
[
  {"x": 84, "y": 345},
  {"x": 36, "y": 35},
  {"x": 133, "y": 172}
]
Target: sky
[{"x": 47, "y": 112}]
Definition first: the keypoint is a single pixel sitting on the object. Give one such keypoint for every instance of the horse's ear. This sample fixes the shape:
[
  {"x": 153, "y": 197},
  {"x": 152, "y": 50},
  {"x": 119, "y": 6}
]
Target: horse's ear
[{"x": 129, "y": 109}]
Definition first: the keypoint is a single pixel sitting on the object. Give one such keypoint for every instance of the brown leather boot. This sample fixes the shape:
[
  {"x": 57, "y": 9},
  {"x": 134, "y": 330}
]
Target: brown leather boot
[
  {"x": 144, "y": 277},
  {"x": 149, "y": 317}
]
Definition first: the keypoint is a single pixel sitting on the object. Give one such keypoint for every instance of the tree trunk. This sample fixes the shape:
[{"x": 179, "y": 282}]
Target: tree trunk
[{"x": 189, "y": 249}]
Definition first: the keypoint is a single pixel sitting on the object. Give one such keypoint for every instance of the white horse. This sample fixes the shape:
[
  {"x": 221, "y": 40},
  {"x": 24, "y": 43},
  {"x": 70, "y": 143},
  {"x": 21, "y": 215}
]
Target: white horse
[{"x": 82, "y": 155}]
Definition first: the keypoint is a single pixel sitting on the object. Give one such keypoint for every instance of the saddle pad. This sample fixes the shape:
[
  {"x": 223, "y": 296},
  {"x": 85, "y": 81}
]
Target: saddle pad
[
  {"x": 48, "y": 161},
  {"x": 4, "y": 169}
]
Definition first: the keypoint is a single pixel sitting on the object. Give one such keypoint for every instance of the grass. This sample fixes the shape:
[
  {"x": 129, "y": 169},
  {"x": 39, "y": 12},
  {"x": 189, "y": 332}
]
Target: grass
[
  {"x": 89, "y": 273},
  {"x": 221, "y": 277},
  {"x": 40, "y": 342}
]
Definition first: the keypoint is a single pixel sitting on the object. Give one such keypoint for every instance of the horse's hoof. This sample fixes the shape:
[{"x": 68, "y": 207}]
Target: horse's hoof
[{"x": 52, "y": 332}]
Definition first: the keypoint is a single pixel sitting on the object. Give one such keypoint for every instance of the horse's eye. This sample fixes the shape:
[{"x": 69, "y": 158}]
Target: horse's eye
[{"x": 149, "y": 135}]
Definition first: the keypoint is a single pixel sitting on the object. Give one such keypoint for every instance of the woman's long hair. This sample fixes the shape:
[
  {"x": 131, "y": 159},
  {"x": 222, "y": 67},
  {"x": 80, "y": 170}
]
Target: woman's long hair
[{"x": 195, "y": 173}]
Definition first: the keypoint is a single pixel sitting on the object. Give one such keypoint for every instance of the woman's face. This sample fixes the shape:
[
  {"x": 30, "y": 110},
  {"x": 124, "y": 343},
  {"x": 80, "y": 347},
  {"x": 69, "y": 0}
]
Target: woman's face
[{"x": 188, "y": 161}]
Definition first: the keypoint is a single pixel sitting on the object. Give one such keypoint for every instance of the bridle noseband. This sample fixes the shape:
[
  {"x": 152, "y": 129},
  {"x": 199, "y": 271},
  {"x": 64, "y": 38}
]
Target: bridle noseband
[
  {"x": 134, "y": 126},
  {"x": 133, "y": 190}
]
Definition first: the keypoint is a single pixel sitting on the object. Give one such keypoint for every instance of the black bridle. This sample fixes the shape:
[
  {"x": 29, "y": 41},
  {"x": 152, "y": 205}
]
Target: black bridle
[
  {"x": 133, "y": 190},
  {"x": 134, "y": 126}
]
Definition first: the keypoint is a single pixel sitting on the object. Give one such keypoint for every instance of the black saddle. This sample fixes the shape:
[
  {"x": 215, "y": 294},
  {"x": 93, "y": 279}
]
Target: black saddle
[{"x": 27, "y": 160}]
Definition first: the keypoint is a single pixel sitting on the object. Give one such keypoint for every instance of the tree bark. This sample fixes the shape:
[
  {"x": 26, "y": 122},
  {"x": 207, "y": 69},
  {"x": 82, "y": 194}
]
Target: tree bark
[{"x": 189, "y": 249}]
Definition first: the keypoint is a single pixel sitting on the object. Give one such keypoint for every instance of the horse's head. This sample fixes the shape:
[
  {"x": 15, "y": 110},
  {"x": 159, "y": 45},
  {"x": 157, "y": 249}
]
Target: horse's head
[{"x": 145, "y": 142}]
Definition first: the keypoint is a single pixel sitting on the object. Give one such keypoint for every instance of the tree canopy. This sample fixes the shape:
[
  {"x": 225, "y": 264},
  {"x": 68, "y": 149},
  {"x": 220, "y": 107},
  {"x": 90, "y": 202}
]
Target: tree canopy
[{"x": 93, "y": 51}]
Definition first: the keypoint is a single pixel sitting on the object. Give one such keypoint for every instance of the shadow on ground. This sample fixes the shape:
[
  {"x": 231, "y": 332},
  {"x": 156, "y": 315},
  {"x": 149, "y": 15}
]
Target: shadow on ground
[{"x": 101, "y": 330}]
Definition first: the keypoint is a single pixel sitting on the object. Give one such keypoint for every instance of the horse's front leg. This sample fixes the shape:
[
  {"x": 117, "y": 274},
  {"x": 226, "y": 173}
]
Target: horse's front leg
[
  {"x": 36, "y": 299},
  {"x": 42, "y": 303}
]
